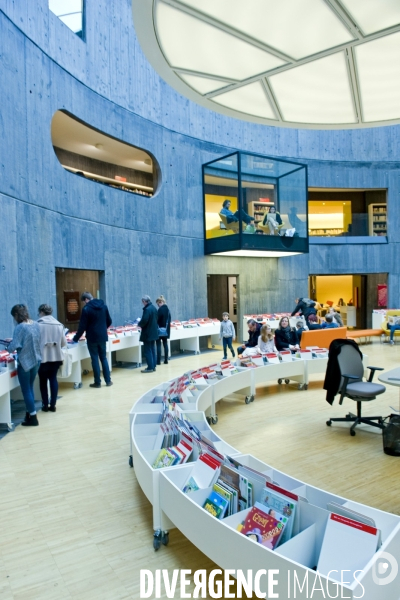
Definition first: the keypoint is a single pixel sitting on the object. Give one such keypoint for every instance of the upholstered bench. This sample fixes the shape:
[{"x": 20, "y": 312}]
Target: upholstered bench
[{"x": 364, "y": 334}]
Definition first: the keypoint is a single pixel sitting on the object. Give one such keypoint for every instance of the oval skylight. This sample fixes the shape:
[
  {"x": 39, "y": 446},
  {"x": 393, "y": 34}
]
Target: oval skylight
[{"x": 296, "y": 63}]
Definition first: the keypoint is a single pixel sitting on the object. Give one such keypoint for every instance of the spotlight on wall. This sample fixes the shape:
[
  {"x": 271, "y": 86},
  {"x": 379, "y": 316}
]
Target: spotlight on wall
[
  {"x": 147, "y": 161},
  {"x": 99, "y": 146}
]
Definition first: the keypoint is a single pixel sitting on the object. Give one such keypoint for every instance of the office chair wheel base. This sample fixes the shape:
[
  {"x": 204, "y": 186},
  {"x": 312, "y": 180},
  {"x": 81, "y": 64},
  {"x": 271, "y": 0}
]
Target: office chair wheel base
[
  {"x": 352, "y": 432},
  {"x": 329, "y": 423},
  {"x": 280, "y": 381}
]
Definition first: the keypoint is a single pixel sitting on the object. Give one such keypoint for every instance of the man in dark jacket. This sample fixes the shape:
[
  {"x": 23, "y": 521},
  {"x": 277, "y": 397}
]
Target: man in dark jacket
[
  {"x": 95, "y": 319},
  {"x": 254, "y": 334},
  {"x": 305, "y": 307},
  {"x": 149, "y": 333}
]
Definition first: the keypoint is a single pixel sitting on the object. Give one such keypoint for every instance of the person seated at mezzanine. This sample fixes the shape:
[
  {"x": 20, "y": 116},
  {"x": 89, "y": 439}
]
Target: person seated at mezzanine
[
  {"x": 329, "y": 323},
  {"x": 234, "y": 217},
  {"x": 254, "y": 334}
]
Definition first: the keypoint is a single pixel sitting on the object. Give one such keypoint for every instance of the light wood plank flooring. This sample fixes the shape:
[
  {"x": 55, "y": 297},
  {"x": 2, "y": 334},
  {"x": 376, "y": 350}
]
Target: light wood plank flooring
[{"x": 74, "y": 522}]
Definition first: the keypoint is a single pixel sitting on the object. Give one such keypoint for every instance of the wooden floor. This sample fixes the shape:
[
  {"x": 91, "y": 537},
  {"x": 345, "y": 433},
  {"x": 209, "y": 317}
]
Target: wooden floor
[{"x": 74, "y": 522}]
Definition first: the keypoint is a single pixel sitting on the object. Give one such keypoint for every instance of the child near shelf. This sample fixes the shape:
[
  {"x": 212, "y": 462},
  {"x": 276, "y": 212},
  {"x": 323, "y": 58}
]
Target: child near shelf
[
  {"x": 266, "y": 340},
  {"x": 227, "y": 334}
]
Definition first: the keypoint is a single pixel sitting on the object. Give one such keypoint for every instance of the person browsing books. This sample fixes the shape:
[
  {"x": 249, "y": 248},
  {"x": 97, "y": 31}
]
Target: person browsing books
[
  {"x": 266, "y": 340},
  {"x": 26, "y": 341},
  {"x": 227, "y": 334},
  {"x": 149, "y": 333},
  {"x": 95, "y": 319},
  {"x": 285, "y": 336},
  {"x": 52, "y": 340},
  {"x": 163, "y": 322},
  {"x": 254, "y": 334}
]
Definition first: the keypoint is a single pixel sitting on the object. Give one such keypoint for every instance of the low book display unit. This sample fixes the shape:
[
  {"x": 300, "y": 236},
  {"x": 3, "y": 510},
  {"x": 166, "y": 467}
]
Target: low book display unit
[{"x": 329, "y": 547}]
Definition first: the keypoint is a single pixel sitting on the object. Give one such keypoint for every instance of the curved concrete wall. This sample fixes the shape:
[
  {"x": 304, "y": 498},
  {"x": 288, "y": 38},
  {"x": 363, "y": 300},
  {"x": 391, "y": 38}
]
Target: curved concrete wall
[{"x": 51, "y": 218}]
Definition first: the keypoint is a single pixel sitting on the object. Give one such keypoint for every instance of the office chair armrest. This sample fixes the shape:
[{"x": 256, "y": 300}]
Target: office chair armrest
[
  {"x": 373, "y": 369},
  {"x": 345, "y": 383}
]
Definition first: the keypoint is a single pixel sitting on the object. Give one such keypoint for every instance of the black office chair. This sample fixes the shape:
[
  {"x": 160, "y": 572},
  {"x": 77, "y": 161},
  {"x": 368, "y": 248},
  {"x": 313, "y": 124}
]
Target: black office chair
[{"x": 352, "y": 369}]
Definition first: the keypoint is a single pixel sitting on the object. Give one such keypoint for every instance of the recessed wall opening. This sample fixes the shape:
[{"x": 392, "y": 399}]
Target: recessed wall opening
[
  {"x": 336, "y": 213},
  {"x": 89, "y": 153},
  {"x": 70, "y": 284},
  {"x": 355, "y": 296},
  {"x": 71, "y": 13}
]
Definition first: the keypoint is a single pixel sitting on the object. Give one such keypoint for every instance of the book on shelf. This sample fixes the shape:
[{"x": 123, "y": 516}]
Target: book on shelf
[
  {"x": 271, "y": 358},
  {"x": 216, "y": 505},
  {"x": 204, "y": 474},
  {"x": 348, "y": 545},
  {"x": 262, "y": 528},
  {"x": 165, "y": 458},
  {"x": 284, "y": 502}
]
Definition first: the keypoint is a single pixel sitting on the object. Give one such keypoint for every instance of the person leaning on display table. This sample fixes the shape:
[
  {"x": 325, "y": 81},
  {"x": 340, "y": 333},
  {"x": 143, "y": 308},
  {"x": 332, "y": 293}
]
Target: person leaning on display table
[
  {"x": 95, "y": 319},
  {"x": 26, "y": 341},
  {"x": 254, "y": 334}
]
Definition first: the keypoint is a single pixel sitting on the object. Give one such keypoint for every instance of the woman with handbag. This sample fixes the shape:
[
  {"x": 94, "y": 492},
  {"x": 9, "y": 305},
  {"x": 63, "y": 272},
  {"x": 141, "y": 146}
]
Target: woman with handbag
[
  {"x": 164, "y": 323},
  {"x": 52, "y": 339}
]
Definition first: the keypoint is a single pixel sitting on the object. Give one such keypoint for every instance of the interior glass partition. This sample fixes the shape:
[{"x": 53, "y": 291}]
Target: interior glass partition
[{"x": 255, "y": 205}]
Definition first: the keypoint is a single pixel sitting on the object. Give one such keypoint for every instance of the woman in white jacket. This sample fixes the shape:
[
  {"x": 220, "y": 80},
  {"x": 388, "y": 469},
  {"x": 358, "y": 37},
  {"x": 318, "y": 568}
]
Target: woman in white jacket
[{"x": 52, "y": 339}]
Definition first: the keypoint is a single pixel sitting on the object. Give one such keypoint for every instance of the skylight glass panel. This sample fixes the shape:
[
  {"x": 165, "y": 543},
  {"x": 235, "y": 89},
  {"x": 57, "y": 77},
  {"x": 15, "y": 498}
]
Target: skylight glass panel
[
  {"x": 317, "y": 92},
  {"x": 250, "y": 99},
  {"x": 374, "y": 16},
  {"x": 296, "y": 28},
  {"x": 189, "y": 43},
  {"x": 69, "y": 12},
  {"x": 378, "y": 66},
  {"x": 203, "y": 85}
]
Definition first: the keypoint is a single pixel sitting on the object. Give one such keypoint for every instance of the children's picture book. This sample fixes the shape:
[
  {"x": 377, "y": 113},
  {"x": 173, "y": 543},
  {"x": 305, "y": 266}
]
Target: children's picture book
[
  {"x": 216, "y": 505},
  {"x": 284, "y": 502},
  {"x": 165, "y": 458},
  {"x": 262, "y": 528}
]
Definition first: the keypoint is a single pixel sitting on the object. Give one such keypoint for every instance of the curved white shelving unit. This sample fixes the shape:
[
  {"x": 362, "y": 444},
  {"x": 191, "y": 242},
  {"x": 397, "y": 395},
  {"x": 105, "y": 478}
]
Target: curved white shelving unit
[{"x": 219, "y": 539}]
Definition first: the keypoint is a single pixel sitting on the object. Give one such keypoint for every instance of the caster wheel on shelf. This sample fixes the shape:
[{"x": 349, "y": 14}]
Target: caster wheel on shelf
[
  {"x": 305, "y": 386},
  {"x": 287, "y": 381},
  {"x": 329, "y": 423},
  {"x": 10, "y": 426},
  {"x": 247, "y": 400},
  {"x": 77, "y": 386},
  {"x": 165, "y": 538},
  {"x": 352, "y": 432},
  {"x": 214, "y": 420},
  {"x": 279, "y": 381},
  {"x": 131, "y": 461},
  {"x": 208, "y": 419},
  {"x": 157, "y": 540},
  {"x": 212, "y": 346},
  {"x": 85, "y": 372}
]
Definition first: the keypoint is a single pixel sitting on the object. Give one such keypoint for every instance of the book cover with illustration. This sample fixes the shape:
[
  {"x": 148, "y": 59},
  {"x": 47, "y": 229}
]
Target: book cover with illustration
[
  {"x": 216, "y": 505},
  {"x": 282, "y": 501},
  {"x": 262, "y": 528}
]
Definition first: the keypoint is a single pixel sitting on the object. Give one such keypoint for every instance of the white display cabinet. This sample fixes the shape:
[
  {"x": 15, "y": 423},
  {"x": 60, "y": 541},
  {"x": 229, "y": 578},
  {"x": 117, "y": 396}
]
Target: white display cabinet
[
  {"x": 219, "y": 539},
  {"x": 349, "y": 316}
]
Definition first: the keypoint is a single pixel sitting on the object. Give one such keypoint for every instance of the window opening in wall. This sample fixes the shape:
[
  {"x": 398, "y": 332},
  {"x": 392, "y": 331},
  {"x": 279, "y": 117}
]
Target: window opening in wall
[
  {"x": 335, "y": 213},
  {"x": 70, "y": 284},
  {"x": 358, "y": 298},
  {"x": 70, "y": 12},
  {"x": 89, "y": 153}
]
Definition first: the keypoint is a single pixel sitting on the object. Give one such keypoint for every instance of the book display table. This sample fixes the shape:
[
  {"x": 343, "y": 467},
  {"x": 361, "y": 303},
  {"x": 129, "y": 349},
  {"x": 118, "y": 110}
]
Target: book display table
[
  {"x": 189, "y": 337},
  {"x": 317, "y": 535}
]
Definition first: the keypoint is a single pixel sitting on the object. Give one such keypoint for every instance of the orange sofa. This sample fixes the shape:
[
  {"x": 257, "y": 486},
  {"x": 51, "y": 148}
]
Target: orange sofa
[{"x": 322, "y": 337}]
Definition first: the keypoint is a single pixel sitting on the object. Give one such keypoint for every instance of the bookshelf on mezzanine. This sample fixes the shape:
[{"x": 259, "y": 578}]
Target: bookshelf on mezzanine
[
  {"x": 377, "y": 219},
  {"x": 258, "y": 208}
]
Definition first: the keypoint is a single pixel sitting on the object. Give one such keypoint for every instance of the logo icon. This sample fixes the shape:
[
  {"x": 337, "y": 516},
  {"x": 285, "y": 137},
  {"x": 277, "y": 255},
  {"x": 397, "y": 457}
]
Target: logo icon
[{"x": 385, "y": 569}]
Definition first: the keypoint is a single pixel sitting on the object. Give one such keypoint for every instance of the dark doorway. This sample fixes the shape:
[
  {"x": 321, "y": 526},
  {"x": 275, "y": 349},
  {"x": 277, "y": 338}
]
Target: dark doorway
[
  {"x": 222, "y": 297},
  {"x": 70, "y": 283}
]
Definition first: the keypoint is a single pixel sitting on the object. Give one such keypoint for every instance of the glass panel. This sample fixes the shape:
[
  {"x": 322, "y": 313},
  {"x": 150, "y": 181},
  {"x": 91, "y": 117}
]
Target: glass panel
[
  {"x": 292, "y": 203},
  {"x": 335, "y": 218},
  {"x": 250, "y": 99},
  {"x": 221, "y": 198},
  {"x": 374, "y": 17},
  {"x": 69, "y": 12}
]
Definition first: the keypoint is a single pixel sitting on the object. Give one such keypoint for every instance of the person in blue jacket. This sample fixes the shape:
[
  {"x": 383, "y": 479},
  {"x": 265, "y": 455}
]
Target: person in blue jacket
[{"x": 95, "y": 319}]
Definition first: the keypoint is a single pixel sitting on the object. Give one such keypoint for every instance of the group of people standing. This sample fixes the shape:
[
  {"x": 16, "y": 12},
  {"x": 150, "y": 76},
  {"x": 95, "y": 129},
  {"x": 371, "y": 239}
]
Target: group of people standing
[
  {"x": 38, "y": 345},
  {"x": 155, "y": 329}
]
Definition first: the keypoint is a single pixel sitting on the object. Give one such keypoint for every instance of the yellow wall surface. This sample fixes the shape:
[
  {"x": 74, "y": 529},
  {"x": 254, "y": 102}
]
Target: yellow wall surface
[
  {"x": 333, "y": 287},
  {"x": 213, "y": 207}
]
